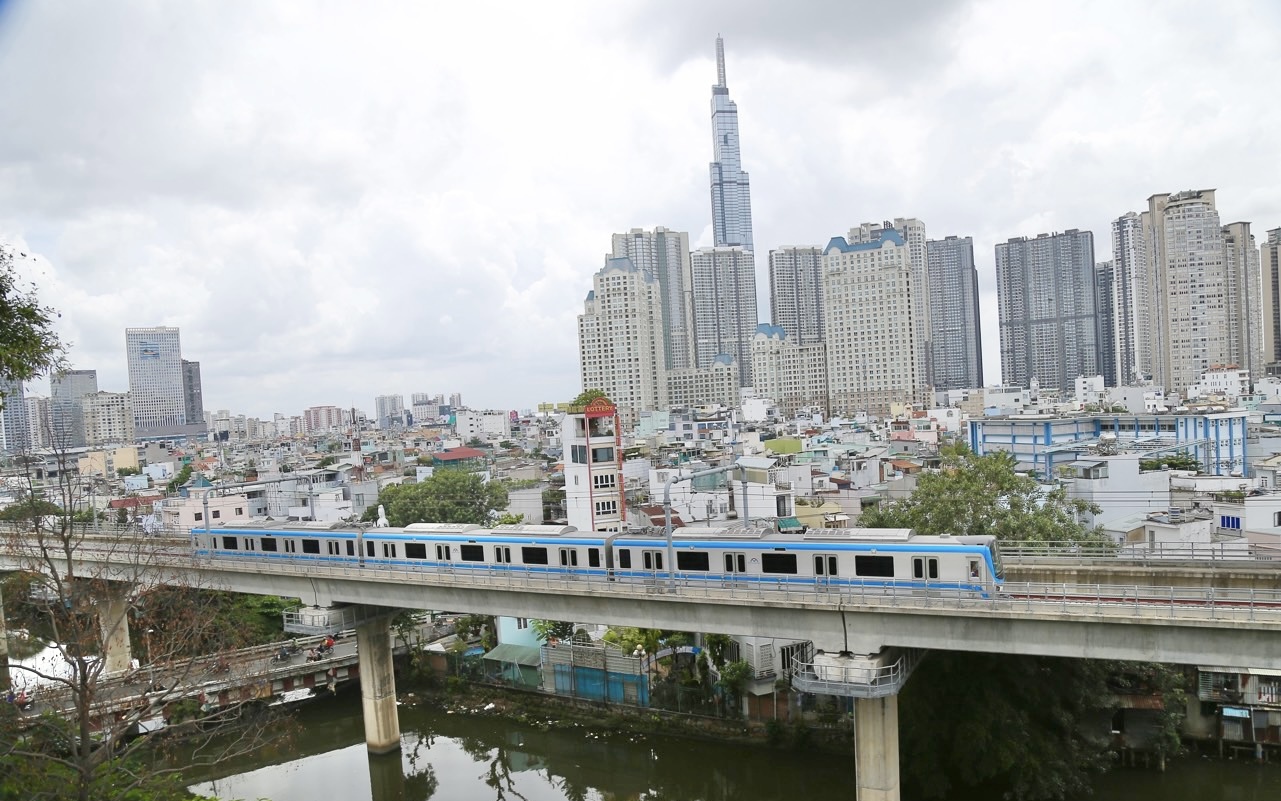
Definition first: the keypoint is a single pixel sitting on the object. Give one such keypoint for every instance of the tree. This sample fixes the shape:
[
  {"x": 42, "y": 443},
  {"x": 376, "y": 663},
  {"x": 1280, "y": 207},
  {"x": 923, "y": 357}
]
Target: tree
[
  {"x": 447, "y": 496},
  {"x": 1019, "y": 726},
  {"x": 29, "y": 347},
  {"x": 30, "y": 508},
  {"x": 121, "y": 472},
  {"x": 509, "y": 519},
  {"x": 734, "y": 678},
  {"x": 585, "y": 397},
  {"x": 548, "y": 630}
]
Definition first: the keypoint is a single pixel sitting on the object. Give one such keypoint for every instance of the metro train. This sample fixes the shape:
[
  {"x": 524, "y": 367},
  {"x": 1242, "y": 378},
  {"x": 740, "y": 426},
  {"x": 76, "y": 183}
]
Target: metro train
[{"x": 853, "y": 557}]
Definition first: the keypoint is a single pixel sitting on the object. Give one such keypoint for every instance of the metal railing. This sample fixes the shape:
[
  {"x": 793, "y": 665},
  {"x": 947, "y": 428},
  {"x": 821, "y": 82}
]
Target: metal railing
[
  {"x": 870, "y": 680},
  {"x": 1227, "y": 552}
]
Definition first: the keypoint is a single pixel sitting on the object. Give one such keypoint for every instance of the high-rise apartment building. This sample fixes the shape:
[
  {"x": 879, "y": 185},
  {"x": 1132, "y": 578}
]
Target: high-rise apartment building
[
  {"x": 1105, "y": 306},
  {"x": 952, "y": 283},
  {"x": 796, "y": 293},
  {"x": 157, "y": 389},
  {"x": 665, "y": 254},
  {"x": 1132, "y": 342},
  {"x": 325, "y": 418},
  {"x": 15, "y": 428},
  {"x": 731, "y": 190},
  {"x": 67, "y": 390},
  {"x": 1244, "y": 289},
  {"x": 425, "y": 407},
  {"x": 1270, "y": 278},
  {"x": 192, "y": 395},
  {"x": 456, "y": 400},
  {"x": 40, "y": 421},
  {"x": 621, "y": 339},
  {"x": 723, "y": 292},
  {"x": 389, "y": 410},
  {"x": 912, "y": 232},
  {"x": 702, "y": 386},
  {"x": 108, "y": 419},
  {"x": 790, "y": 374},
  {"x": 1046, "y": 302},
  {"x": 869, "y": 307},
  {"x": 1204, "y": 296}
]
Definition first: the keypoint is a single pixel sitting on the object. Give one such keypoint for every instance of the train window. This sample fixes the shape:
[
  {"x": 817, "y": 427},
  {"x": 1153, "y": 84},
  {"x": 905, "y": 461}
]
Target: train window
[
  {"x": 878, "y": 566},
  {"x": 693, "y": 560},
  {"x": 291, "y": 546},
  {"x": 389, "y": 550},
  {"x": 311, "y": 546},
  {"x": 269, "y": 544},
  {"x": 624, "y": 557},
  {"x": 442, "y": 553},
  {"x": 533, "y": 556},
  {"x": 735, "y": 563},
  {"x": 502, "y": 554},
  {"x": 933, "y": 567},
  {"x": 369, "y": 549},
  {"x": 568, "y": 557},
  {"x": 824, "y": 565},
  {"x": 923, "y": 567},
  {"x": 229, "y": 543},
  {"x": 653, "y": 560},
  {"x": 778, "y": 563},
  {"x": 351, "y": 547},
  {"x": 250, "y": 544},
  {"x": 593, "y": 557},
  {"x": 333, "y": 547},
  {"x": 418, "y": 550},
  {"x": 471, "y": 553}
]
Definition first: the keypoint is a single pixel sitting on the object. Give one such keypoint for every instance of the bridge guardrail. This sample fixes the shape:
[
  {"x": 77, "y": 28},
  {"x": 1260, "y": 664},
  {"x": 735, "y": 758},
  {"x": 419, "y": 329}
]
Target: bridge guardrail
[{"x": 1228, "y": 553}]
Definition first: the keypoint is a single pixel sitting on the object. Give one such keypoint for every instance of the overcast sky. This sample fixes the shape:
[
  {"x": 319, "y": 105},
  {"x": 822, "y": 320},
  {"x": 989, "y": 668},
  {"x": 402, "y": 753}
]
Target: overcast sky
[{"x": 340, "y": 200}]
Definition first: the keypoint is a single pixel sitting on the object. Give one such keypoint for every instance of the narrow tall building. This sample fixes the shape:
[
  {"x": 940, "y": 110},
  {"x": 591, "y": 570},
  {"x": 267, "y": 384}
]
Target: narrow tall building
[
  {"x": 796, "y": 293},
  {"x": 1133, "y": 340},
  {"x": 731, "y": 191},
  {"x": 108, "y": 419},
  {"x": 955, "y": 335},
  {"x": 192, "y": 394},
  {"x": 1105, "y": 305},
  {"x": 1192, "y": 297},
  {"x": 621, "y": 339},
  {"x": 1244, "y": 290},
  {"x": 912, "y": 231},
  {"x": 156, "y": 386},
  {"x": 1046, "y": 303},
  {"x": 723, "y": 290},
  {"x": 67, "y": 391},
  {"x": 868, "y": 308},
  {"x": 1270, "y": 278},
  {"x": 389, "y": 411},
  {"x": 665, "y": 254}
]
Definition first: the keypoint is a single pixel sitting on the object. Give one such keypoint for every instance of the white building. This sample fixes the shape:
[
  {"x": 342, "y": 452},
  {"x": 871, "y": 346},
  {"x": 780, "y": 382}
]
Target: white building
[
  {"x": 700, "y": 386},
  {"x": 1090, "y": 389},
  {"x": 621, "y": 341},
  {"x": 108, "y": 418},
  {"x": 869, "y": 307},
  {"x": 796, "y": 293},
  {"x": 594, "y": 499},
  {"x": 791, "y": 375},
  {"x": 665, "y": 255},
  {"x": 1221, "y": 381},
  {"x": 317, "y": 419},
  {"x": 1116, "y": 485},
  {"x": 158, "y": 383},
  {"x": 389, "y": 411},
  {"x": 40, "y": 421},
  {"x": 1137, "y": 400},
  {"x": 913, "y": 234},
  {"x": 489, "y": 424}
]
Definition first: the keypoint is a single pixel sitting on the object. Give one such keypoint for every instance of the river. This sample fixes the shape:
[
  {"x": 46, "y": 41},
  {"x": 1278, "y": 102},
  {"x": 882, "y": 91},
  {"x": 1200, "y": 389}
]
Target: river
[{"x": 464, "y": 757}]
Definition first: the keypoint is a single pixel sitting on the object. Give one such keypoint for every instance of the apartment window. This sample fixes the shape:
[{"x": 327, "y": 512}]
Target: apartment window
[
  {"x": 199, "y": 516},
  {"x": 607, "y": 507},
  {"x": 605, "y": 481},
  {"x": 217, "y": 513},
  {"x": 240, "y": 511},
  {"x": 522, "y": 622}
]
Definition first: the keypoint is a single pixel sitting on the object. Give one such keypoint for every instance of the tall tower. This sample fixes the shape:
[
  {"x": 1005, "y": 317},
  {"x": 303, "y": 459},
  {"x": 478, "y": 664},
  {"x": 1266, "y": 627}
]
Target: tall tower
[
  {"x": 15, "y": 430},
  {"x": 1105, "y": 307},
  {"x": 731, "y": 191},
  {"x": 67, "y": 390},
  {"x": 1045, "y": 291},
  {"x": 665, "y": 254},
  {"x": 1244, "y": 302},
  {"x": 1270, "y": 305},
  {"x": 912, "y": 232},
  {"x": 723, "y": 290},
  {"x": 193, "y": 398},
  {"x": 955, "y": 336}
]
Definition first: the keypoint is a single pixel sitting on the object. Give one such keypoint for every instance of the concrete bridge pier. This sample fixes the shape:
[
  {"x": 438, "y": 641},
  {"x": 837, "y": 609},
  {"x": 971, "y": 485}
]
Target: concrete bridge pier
[
  {"x": 378, "y": 685},
  {"x": 113, "y": 624},
  {"x": 876, "y": 748}
]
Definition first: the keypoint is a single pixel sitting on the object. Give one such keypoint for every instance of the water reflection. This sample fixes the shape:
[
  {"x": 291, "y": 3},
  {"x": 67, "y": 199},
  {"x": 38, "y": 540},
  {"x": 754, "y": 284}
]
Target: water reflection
[{"x": 449, "y": 757}]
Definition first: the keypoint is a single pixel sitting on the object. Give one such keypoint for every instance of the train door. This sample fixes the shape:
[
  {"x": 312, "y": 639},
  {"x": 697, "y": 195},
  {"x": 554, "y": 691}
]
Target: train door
[
  {"x": 925, "y": 569},
  {"x": 735, "y": 566},
  {"x": 825, "y": 571},
  {"x": 444, "y": 556},
  {"x": 569, "y": 561},
  {"x": 652, "y": 562}
]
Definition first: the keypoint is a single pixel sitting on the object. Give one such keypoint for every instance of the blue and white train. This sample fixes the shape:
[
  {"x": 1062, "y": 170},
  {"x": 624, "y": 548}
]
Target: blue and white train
[{"x": 854, "y": 557}]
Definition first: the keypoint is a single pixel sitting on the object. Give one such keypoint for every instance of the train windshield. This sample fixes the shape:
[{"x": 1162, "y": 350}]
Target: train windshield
[{"x": 996, "y": 561}]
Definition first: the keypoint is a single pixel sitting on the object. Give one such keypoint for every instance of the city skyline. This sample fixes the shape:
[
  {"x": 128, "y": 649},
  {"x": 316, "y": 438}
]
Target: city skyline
[{"x": 306, "y": 254}]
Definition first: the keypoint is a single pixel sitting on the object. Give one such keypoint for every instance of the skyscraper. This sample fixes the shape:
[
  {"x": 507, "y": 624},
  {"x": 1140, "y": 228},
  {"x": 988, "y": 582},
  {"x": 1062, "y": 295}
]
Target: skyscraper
[
  {"x": 192, "y": 395},
  {"x": 912, "y": 231},
  {"x": 1105, "y": 307},
  {"x": 665, "y": 254},
  {"x": 389, "y": 410},
  {"x": 1244, "y": 305},
  {"x": 731, "y": 191},
  {"x": 156, "y": 384},
  {"x": 67, "y": 391},
  {"x": 723, "y": 291},
  {"x": 1270, "y": 305},
  {"x": 796, "y": 293},
  {"x": 953, "y": 286},
  {"x": 1046, "y": 302},
  {"x": 15, "y": 431},
  {"x": 872, "y": 358},
  {"x": 621, "y": 339}
]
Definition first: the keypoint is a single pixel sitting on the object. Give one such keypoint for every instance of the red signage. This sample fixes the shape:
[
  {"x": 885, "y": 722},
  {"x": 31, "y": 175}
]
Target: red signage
[{"x": 600, "y": 407}]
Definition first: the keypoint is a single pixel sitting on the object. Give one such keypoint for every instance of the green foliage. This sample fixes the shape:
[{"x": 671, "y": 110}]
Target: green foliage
[
  {"x": 553, "y": 629},
  {"x": 29, "y": 346},
  {"x": 447, "y": 496},
  {"x": 717, "y": 645},
  {"x": 184, "y": 475},
  {"x": 1171, "y": 461},
  {"x": 735, "y": 677},
  {"x": 327, "y": 461},
  {"x": 121, "y": 472},
  {"x": 984, "y": 495},
  {"x": 585, "y": 397},
  {"x": 29, "y": 508},
  {"x": 508, "y": 519}
]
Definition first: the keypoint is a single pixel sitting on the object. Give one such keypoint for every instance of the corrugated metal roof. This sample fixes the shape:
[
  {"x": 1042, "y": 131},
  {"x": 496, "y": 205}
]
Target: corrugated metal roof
[{"x": 510, "y": 653}]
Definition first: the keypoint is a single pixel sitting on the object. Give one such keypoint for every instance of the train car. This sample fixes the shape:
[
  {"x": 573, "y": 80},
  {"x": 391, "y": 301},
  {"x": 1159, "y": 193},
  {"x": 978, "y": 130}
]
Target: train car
[{"x": 889, "y": 559}]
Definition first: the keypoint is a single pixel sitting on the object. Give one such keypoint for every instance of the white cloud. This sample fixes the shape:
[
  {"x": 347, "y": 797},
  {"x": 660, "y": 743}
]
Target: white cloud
[{"x": 337, "y": 201}]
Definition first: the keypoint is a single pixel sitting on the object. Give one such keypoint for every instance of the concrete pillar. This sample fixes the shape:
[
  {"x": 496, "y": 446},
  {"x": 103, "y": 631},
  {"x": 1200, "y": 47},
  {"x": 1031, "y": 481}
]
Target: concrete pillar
[
  {"x": 876, "y": 747},
  {"x": 378, "y": 686},
  {"x": 113, "y": 623}
]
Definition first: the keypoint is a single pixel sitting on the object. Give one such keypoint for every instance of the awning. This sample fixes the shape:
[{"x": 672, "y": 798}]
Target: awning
[{"x": 511, "y": 653}]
